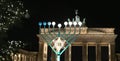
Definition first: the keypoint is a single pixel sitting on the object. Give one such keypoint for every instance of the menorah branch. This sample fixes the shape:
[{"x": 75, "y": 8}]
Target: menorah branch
[{"x": 60, "y": 40}]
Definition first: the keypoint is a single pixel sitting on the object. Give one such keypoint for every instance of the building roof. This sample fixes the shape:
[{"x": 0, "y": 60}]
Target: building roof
[
  {"x": 83, "y": 30},
  {"x": 100, "y": 30}
]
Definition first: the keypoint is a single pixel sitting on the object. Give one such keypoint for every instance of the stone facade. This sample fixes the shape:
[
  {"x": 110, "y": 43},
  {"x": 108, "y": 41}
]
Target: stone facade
[{"x": 97, "y": 37}]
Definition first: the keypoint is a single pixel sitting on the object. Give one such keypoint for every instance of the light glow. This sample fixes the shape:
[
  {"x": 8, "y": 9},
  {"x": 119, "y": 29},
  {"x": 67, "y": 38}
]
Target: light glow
[
  {"x": 79, "y": 23},
  {"x": 59, "y": 25},
  {"x": 40, "y": 23},
  {"x": 74, "y": 23},
  {"x": 70, "y": 23},
  {"x": 44, "y": 23},
  {"x": 53, "y": 23},
  {"x": 49, "y": 23},
  {"x": 65, "y": 23}
]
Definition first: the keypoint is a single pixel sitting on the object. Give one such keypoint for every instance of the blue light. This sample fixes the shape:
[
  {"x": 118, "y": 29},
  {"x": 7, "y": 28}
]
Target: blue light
[
  {"x": 40, "y": 23},
  {"x": 44, "y": 23},
  {"x": 49, "y": 23}
]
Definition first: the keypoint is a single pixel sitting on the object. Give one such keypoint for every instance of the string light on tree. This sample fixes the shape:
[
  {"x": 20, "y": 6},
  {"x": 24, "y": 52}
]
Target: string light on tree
[{"x": 11, "y": 12}]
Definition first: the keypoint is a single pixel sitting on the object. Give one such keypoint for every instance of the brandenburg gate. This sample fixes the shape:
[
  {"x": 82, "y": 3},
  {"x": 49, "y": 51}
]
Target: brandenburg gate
[
  {"x": 92, "y": 44},
  {"x": 98, "y": 38}
]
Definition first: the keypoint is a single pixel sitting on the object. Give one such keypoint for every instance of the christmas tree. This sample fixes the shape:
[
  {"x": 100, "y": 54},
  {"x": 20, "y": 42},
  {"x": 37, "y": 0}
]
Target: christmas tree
[{"x": 11, "y": 12}]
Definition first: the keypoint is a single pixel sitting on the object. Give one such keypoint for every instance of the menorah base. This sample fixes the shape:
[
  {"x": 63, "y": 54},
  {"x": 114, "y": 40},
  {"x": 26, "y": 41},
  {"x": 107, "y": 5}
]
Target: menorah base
[{"x": 58, "y": 58}]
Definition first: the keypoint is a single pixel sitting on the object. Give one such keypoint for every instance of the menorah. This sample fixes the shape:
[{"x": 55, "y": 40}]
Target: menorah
[{"x": 59, "y": 39}]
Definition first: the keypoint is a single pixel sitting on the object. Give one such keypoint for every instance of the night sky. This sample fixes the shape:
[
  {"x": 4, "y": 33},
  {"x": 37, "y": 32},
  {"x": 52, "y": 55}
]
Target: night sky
[{"x": 97, "y": 14}]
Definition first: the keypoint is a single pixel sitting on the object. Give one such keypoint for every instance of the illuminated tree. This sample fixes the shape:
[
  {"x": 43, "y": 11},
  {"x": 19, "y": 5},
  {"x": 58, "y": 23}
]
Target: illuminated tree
[
  {"x": 11, "y": 12},
  {"x": 9, "y": 49}
]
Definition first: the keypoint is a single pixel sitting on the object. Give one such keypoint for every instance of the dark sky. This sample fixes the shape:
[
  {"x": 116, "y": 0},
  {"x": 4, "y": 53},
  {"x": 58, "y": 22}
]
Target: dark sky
[{"x": 98, "y": 13}]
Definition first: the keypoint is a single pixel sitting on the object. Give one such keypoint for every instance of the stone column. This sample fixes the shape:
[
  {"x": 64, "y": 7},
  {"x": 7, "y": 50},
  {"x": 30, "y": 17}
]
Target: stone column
[
  {"x": 45, "y": 49},
  {"x": 68, "y": 54},
  {"x": 112, "y": 52},
  {"x": 109, "y": 51},
  {"x": 98, "y": 52},
  {"x": 42, "y": 55},
  {"x": 85, "y": 52}
]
